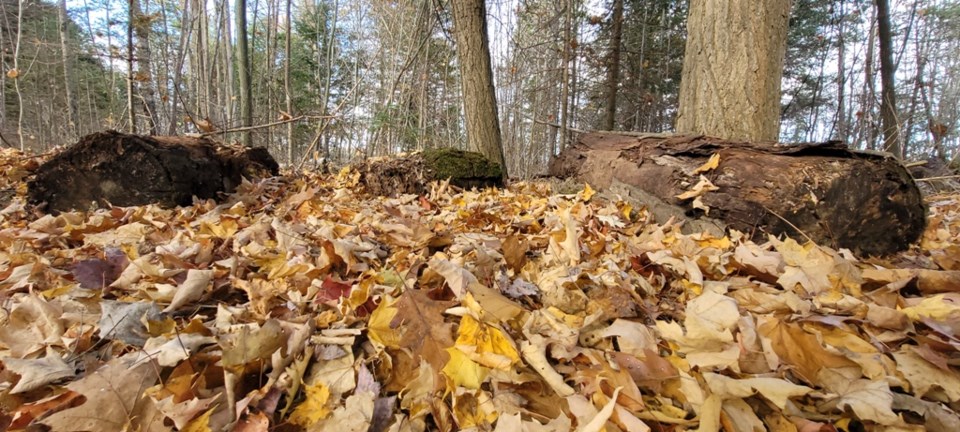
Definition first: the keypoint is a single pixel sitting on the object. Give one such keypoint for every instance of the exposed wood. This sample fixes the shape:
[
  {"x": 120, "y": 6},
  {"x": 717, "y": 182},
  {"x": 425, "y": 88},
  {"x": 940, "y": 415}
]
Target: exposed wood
[
  {"x": 126, "y": 170},
  {"x": 866, "y": 202}
]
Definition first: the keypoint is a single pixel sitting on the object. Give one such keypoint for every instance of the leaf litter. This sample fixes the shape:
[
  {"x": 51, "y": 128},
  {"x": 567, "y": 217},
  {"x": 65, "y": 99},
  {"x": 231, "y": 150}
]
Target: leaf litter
[{"x": 302, "y": 304}]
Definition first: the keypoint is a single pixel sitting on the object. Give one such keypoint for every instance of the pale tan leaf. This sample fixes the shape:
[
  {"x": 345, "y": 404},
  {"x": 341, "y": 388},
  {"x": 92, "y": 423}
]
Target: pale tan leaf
[{"x": 37, "y": 373}]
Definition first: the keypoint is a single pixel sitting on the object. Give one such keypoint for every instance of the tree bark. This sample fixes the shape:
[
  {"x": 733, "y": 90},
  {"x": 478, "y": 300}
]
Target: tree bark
[
  {"x": 888, "y": 92},
  {"x": 63, "y": 20},
  {"x": 243, "y": 72},
  {"x": 131, "y": 76},
  {"x": 144, "y": 76},
  {"x": 565, "y": 83},
  {"x": 288, "y": 97},
  {"x": 613, "y": 68},
  {"x": 732, "y": 68},
  {"x": 866, "y": 202},
  {"x": 476, "y": 75}
]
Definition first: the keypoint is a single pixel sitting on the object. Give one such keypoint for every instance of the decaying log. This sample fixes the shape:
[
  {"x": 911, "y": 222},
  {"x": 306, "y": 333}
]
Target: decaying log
[
  {"x": 413, "y": 173},
  {"x": 837, "y": 197},
  {"x": 125, "y": 170}
]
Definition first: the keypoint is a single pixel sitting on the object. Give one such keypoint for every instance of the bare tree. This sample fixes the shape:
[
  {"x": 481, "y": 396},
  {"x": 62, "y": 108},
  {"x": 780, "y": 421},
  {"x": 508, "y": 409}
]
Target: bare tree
[
  {"x": 613, "y": 68},
  {"x": 68, "y": 78},
  {"x": 288, "y": 50},
  {"x": 479, "y": 97},
  {"x": 888, "y": 94},
  {"x": 243, "y": 72}
]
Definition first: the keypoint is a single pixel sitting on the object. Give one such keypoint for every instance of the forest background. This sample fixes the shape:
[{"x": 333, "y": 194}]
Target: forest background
[{"x": 339, "y": 79}]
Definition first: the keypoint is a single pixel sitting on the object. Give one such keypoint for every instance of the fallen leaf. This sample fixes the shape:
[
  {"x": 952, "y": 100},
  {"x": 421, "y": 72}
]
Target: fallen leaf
[
  {"x": 313, "y": 408},
  {"x": 36, "y": 373},
  {"x": 191, "y": 289},
  {"x": 114, "y": 400}
]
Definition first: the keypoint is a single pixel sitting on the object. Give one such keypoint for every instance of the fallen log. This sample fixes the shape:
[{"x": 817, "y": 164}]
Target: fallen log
[
  {"x": 126, "y": 170},
  {"x": 412, "y": 174},
  {"x": 834, "y": 196}
]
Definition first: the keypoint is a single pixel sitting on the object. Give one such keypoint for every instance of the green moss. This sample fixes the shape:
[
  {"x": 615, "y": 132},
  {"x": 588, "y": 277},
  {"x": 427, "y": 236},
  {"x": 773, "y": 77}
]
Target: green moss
[{"x": 458, "y": 164}]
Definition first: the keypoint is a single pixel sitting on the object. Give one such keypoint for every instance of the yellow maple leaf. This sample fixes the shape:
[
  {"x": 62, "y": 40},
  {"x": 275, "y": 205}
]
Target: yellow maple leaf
[
  {"x": 225, "y": 228},
  {"x": 462, "y": 371},
  {"x": 314, "y": 408},
  {"x": 486, "y": 344},
  {"x": 379, "y": 328}
]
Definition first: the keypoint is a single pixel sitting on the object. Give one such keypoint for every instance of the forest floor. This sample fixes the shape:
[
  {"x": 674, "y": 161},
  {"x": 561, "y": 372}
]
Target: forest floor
[{"x": 302, "y": 304}]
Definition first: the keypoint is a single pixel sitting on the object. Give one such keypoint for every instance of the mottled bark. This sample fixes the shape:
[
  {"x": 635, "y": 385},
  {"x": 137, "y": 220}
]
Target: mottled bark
[
  {"x": 888, "y": 93},
  {"x": 243, "y": 72},
  {"x": 67, "y": 54},
  {"x": 613, "y": 68},
  {"x": 476, "y": 76},
  {"x": 732, "y": 68}
]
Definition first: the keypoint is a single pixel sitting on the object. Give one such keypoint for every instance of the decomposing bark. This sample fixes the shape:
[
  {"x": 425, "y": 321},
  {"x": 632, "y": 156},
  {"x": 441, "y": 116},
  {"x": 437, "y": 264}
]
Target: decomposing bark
[
  {"x": 837, "y": 197},
  {"x": 125, "y": 170},
  {"x": 412, "y": 174}
]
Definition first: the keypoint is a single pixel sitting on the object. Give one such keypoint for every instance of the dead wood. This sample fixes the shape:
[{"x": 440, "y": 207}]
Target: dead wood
[
  {"x": 837, "y": 197},
  {"x": 125, "y": 170}
]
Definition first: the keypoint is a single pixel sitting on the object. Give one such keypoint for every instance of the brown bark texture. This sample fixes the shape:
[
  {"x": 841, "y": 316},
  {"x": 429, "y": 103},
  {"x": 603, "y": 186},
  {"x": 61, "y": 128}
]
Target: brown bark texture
[
  {"x": 732, "y": 67},
  {"x": 888, "y": 93},
  {"x": 613, "y": 68},
  {"x": 863, "y": 201},
  {"x": 126, "y": 170},
  {"x": 479, "y": 97}
]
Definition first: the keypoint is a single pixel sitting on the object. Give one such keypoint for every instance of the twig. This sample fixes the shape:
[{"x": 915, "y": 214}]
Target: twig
[
  {"x": 262, "y": 126},
  {"x": 323, "y": 128},
  {"x": 915, "y": 164},
  {"x": 938, "y": 178},
  {"x": 791, "y": 225}
]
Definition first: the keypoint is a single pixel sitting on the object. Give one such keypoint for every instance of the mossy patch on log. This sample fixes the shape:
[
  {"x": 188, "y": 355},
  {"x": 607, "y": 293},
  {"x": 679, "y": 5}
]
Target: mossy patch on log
[
  {"x": 458, "y": 164},
  {"x": 413, "y": 173}
]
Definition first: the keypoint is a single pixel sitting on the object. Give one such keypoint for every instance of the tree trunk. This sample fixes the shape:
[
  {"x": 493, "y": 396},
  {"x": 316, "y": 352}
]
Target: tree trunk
[
  {"x": 63, "y": 20},
  {"x": 565, "y": 83},
  {"x": 732, "y": 68},
  {"x": 288, "y": 101},
  {"x": 866, "y": 202},
  {"x": 144, "y": 75},
  {"x": 841, "y": 76},
  {"x": 613, "y": 68},
  {"x": 888, "y": 93},
  {"x": 476, "y": 75},
  {"x": 131, "y": 76},
  {"x": 243, "y": 73}
]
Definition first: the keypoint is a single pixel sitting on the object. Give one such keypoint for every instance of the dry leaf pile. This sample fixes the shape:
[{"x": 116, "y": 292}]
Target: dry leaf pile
[{"x": 302, "y": 304}]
